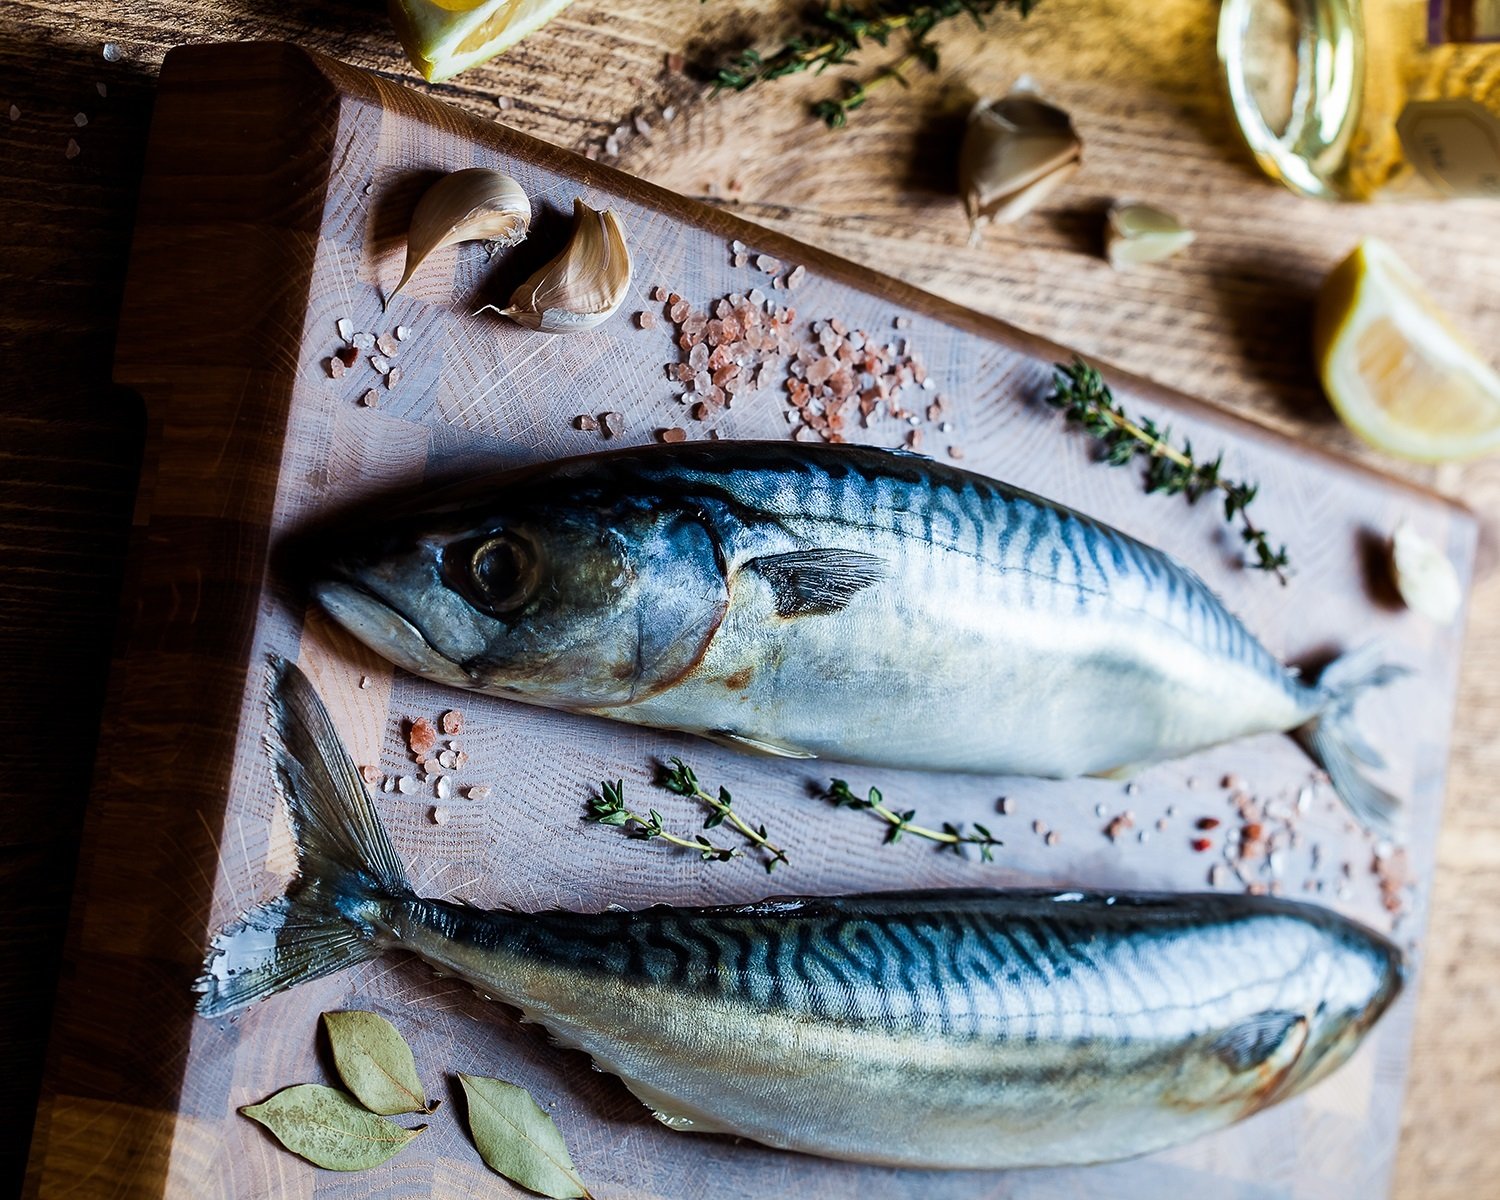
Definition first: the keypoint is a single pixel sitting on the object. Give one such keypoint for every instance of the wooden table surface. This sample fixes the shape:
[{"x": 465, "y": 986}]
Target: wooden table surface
[{"x": 1229, "y": 320}]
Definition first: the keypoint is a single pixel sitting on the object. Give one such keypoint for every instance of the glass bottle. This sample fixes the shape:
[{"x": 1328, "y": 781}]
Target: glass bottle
[{"x": 1368, "y": 99}]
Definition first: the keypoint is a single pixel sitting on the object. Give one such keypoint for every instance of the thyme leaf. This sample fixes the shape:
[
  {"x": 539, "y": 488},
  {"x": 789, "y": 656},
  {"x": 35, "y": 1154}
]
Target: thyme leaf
[
  {"x": 950, "y": 836},
  {"x": 834, "y": 35},
  {"x": 1081, "y": 393},
  {"x": 676, "y": 776}
]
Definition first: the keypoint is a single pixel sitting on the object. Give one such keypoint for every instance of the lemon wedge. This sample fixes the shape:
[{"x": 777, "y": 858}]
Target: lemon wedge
[
  {"x": 1394, "y": 367},
  {"x": 444, "y": 37}
]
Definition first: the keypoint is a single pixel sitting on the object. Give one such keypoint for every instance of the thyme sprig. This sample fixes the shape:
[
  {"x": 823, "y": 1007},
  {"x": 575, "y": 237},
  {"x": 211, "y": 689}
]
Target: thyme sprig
[
  {"x": 676, "y": 776},
  {"x": 840, "y": 31},
  {"x": 609, "y": 808},
  {"x": 1080, "y": 391},
  {"x": 954, "y": 837}
]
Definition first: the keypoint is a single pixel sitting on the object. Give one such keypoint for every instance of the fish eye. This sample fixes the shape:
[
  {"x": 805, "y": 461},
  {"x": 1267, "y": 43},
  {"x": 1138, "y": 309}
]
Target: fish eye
[{"x": 501, "y": 571}]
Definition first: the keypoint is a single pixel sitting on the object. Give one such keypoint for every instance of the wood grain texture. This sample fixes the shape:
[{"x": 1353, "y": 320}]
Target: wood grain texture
[
  {"x": 250, "y": 438},
  {"x": 1228, "y": 321}
]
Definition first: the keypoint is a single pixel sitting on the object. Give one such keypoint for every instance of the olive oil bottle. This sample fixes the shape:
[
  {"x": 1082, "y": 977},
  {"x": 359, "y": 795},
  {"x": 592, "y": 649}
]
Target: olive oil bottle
[{"x": 1368, "y": 99}]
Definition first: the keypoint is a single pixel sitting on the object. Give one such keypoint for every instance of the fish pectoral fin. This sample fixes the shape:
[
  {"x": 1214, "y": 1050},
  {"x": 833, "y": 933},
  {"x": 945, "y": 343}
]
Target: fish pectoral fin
[
  {"x": 1271, "y": 1040},
  {"x": 817, "y": 582},
  {"x": 739, "y": 741}
]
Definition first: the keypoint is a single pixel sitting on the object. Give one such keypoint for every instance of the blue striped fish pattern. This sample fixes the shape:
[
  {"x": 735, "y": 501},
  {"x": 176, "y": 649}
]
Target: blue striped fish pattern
[{"x": 834, "y": 602}]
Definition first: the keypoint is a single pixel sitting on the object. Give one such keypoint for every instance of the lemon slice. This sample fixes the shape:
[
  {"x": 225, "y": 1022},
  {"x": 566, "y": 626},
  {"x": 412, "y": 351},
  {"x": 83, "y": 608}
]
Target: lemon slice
[
  {"x": 1394, "y": 367},
  {"x": 444, "y": 37}
]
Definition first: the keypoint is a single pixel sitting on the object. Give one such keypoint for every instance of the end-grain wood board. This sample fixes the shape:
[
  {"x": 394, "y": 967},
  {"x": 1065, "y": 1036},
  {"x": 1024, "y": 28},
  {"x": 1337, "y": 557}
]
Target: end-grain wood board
[{"x": 277, "y": 191}]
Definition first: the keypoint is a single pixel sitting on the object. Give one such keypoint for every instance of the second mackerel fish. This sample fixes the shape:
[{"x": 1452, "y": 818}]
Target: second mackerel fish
[{"x": 835, "y": 602}]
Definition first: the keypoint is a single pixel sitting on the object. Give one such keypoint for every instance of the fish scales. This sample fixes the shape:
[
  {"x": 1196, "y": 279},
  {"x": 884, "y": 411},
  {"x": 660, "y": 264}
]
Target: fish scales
[
  {"x": 836, "y": 602},
  {"x": 916, "y": 1003}
]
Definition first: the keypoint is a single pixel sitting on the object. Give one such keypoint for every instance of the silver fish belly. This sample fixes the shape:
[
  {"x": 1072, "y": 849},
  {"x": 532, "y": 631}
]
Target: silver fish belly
[
  {"x": 835, "y": 602},
  {"x": 940, "y": 1029}
]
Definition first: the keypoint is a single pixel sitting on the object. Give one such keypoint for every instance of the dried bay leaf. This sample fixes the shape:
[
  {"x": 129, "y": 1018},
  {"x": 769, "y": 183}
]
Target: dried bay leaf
[
  {"x": 518, "y": 1140},
  {"x": 326, "y": 1127},
  {"x": 375, "y": 1062}
]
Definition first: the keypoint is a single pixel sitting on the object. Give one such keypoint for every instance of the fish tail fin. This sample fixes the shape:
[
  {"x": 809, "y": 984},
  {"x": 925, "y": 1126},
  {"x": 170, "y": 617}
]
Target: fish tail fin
[
  {"x": 348, "y": 872},
  {"x": 1335, "y": 743}
]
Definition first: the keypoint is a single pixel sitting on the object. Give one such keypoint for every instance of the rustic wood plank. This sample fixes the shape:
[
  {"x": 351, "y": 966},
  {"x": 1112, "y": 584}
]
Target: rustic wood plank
[{"x": 1223, "y": 324}]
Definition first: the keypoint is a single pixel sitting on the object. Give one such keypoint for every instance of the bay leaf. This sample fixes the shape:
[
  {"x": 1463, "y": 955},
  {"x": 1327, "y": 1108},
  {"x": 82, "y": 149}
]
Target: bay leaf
[
  {"x": 518, "y": 1140},
  {"x": 326, "y": 1127},
  {"x": 375, "y": 1062}
]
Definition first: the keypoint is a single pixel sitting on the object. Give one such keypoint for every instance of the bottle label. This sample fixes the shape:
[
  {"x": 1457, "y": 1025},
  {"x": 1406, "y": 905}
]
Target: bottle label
[
  {"x": 1463, "y": 21},
  {"x": 1454, "y": 144}
]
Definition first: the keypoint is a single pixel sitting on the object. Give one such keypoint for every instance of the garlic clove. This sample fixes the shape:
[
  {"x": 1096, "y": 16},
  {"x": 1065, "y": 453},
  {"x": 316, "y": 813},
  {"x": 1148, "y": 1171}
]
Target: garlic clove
[
  {"x": 1423, "y": 576},
  {"x": 476, "y": 204},
  {"x": 1140, "y": 233},
  {"x": 1016, "y": 152},
  {"x": 584, "y": 285}
]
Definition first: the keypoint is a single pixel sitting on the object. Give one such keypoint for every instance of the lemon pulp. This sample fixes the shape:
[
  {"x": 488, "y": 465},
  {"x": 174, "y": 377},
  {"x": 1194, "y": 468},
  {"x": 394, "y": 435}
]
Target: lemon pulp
[
  {"x": 1396, "y": 369},
  {"x": 444, "y": 37}
]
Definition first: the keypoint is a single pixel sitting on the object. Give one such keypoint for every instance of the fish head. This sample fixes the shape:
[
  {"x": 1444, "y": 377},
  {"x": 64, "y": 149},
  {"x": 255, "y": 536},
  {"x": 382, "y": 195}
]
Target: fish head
[
  {"x": 1349, "y": 976},
  {"x": 573, "y": 602},
  {"x": 1365, "y": 975}
]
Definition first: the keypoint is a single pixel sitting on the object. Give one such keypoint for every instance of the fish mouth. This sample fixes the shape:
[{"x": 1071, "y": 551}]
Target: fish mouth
[{"x": 386, "y": 631}]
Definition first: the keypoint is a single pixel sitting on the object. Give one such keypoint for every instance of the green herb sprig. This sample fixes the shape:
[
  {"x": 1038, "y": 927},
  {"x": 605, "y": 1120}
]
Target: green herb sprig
[
  {"x": 841, "y": 30},
  {"x": 1080, "y": 391},
  {"x": 676, "y": 776},
  {"x": 609, "y": 808},
  {"x": 951, "y": 836}
]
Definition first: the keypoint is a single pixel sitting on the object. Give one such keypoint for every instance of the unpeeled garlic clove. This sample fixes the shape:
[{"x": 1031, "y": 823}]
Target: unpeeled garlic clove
[
  {"x": 1016, "y": 152},
  {"x": 476, "y": 204},
  {"x": 1424, "y": 577},
  {"x": 584, "y": 285},
  {"x": 1140, "y": 233}
]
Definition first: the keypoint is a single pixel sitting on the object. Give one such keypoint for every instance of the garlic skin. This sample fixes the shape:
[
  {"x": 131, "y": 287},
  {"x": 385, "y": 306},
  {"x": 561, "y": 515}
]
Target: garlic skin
[
  {"x": 1424, "y": 577},
  {"x": 476, "y": 204},
  {"x": 584, "y": 285},
  {"x": 1141, "y": 233},
  {"x": 1016, "y": 152}
]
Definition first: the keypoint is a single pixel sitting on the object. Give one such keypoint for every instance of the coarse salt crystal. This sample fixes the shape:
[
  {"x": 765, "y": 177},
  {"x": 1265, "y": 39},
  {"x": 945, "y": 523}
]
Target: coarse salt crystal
[
  {"x": 102, "y": 89},
  {"x": 371, "y": 774},
  {"x": 80, "y": 119},
  {"x": 478, "y": 791},
  {"x": 364, "y": 682},
  {"x": 439, "y": 815},
  {"x": 453, "y": 723},
  {"x": 363, "y": 341},
  {"x": 73, "y": 150},
  {"x": 345, "y": 327},
  {"x": 15, "y": 113},
  {"x": 386, "y": 344},
  {"x": 393, "y": 377},
  {"x": 111, "y": 52},
  {"x": 406, "y": 785},
  {"x": 371, "y": 398},
  {"x": 335, "y": 367},
  {"x": 443, "y": 788},
  {"x": 380, "y": 363},
  {"x": 402, "y": 333}
]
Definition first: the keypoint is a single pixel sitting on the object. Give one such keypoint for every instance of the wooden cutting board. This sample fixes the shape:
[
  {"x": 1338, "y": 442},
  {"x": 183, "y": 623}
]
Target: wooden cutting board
[{"x": 277, "y": 192}]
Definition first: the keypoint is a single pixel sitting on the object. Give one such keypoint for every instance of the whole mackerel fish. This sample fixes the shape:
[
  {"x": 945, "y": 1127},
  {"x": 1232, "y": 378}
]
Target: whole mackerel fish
[
  {"x": 1005, "y": 1029},
  {"x": 831, "y": 601}
]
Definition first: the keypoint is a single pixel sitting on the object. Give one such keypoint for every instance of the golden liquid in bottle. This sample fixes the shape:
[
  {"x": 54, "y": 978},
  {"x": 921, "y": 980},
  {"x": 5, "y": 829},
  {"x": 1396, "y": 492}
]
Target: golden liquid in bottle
[{"x": 1368, "y": 99}]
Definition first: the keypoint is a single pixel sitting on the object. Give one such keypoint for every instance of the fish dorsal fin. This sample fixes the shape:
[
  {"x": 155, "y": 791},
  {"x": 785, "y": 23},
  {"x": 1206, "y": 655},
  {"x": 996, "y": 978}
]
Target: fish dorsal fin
[
  {"x": 1270, "y": 1037},
  {"x": 740, "y": 741},
  {"x": 817, "y": 582}
]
